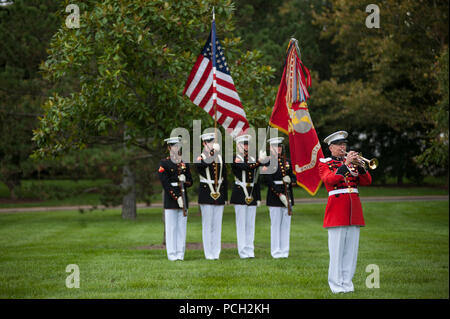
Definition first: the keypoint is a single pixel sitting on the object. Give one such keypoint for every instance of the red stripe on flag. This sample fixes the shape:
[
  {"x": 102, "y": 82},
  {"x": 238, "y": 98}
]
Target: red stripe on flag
[
  {"x": 206, "y": 98},
  {"x": 229, "y": 99},
  {"x": 226, "y": 113},
  {"x": 226, "y": 84},
  {"x": 193, "y": 72},
  {"x": 202, "y": 81}
]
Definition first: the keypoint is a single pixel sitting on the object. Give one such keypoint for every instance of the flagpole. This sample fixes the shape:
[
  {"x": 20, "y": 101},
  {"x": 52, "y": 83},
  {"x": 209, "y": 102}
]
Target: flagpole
[
  {"x": 213, "y": 49},
  {"x": 213, "y": 56}
]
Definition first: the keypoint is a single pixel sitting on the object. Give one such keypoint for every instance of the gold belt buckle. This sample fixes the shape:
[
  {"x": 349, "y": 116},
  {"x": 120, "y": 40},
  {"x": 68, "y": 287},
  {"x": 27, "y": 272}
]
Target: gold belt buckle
[
  {"x": 215, "y": 195},
  {"x": 350, "y": 190}
]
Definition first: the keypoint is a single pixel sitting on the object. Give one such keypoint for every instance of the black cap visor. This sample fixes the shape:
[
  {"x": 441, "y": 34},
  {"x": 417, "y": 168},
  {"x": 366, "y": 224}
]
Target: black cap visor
[{"x": 338, "y": 142}]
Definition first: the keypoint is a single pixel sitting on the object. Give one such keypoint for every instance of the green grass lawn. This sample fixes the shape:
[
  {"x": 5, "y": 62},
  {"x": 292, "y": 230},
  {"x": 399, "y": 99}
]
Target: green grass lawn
[{"x": 409, "y": 241}]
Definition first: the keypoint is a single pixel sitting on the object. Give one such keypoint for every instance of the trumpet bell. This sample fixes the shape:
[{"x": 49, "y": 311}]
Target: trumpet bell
[{"x": 373, "y": 163}]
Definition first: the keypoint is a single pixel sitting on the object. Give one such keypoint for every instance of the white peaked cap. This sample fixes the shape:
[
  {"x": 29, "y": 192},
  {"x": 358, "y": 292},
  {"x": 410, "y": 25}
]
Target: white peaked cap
[
  {"x": 275, "y": 140},
  {"x": 336, "y": 136},
  {"x": 243, "y": 138},
  {"x": 207, "y": 136},
  {"x": 173, "y": 140}
]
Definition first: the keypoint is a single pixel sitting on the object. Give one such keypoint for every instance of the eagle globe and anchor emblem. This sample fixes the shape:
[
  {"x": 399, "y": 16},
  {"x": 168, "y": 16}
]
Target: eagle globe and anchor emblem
[{"x": 300, "y": 122}]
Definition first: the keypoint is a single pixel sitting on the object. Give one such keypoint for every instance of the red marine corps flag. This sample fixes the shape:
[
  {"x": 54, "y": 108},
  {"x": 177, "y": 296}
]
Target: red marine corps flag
[{"x": 290, "y": 115}]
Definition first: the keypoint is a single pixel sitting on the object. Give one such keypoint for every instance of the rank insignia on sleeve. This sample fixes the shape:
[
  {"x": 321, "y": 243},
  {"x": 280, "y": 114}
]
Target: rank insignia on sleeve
[{"x": 161, "y": 169}]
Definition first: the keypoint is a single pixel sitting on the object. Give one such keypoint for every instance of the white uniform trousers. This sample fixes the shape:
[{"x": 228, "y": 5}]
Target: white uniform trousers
[
  {"x": 280, "y": 227},
  {"x": 176, "y": 225},
  {"x": 245, "y": 230},
  {"x": 343, "y": 246},
  {"x": 212, "y": 230}
]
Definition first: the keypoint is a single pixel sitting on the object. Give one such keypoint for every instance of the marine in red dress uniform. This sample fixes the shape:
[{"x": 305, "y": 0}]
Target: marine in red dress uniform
[
  {"x": 343, "y": 207},
  {"x": 341, "y": 174}
]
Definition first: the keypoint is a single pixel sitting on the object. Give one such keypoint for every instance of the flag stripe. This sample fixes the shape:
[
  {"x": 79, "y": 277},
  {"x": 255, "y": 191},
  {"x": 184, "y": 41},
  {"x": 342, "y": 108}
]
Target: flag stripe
[
  {"x": 204, "y": 88},
  {"x": 200, "y": 80},
  {"x": 225, "y": 77},
  {"x": 198, "y": 74},
  {"x": 227, "y": 92},
  {"x": 192, "y": 75},
  {"x": 199, "y": 89},
  {"x": 238, "y": 127},
  {"x": 228, "y": 113},
  {"x": 206, "y": 99},
  {"x": 227, "y": 122},
  {"x": 209, "y": 104},
  {"x": 230, "y": 107},
  {"x": 225, "y": 84},
  {"x": 231, "y": 101}
]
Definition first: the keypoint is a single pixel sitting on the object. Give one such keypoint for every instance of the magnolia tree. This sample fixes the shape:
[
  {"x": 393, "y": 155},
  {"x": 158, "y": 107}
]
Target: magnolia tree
[{"x": 131, "y": 60}]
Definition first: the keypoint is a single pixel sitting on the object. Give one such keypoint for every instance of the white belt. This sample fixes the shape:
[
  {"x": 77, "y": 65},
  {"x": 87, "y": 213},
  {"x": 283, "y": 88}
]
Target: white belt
[
  {"x": 242, "y": 184},
  {"x": 343, "y": 191},
  {"x": 278, "y": 182},
  {"x": 174, "y": 184},
  {"x": 209, "y": 181}
]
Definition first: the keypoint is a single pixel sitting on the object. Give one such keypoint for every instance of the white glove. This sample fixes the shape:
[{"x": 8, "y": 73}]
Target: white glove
[
  {"x": 182, "y": 178},
  {"x": 180, "y": 202},
  {"x": 216, "y": 147},
  {"x": 284, "y": 200},
  {"x": 287, "y": 179},
  {"x": 262, "y": 156},
  {"x": 258, "y": 203}
]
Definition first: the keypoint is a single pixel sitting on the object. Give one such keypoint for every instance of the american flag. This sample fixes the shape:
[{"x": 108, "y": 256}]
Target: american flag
[{"x": 199, "y": 88}]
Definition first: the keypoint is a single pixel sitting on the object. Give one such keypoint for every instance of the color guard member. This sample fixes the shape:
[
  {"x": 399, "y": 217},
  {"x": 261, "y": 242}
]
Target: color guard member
[
  {"x": 277, "y": 201},
  {"x": 175, "y": 175},
  {"x": 246, "y": 196},
  {"x": 212, "y": 194}
]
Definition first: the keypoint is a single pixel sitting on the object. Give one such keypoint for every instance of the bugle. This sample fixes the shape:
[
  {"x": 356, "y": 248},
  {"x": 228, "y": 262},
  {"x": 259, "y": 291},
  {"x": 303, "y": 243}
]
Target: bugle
[{"x": 372, "y": 163}]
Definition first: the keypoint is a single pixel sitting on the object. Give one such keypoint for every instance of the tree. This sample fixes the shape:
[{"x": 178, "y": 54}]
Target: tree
[
  {"x": 25, "y": 31},
  {"x": 381, "y": 83},
  {"x": 131, "y": 59},
  {"x": 436, "y": 154},
  {"x": 269, "y": 26}
]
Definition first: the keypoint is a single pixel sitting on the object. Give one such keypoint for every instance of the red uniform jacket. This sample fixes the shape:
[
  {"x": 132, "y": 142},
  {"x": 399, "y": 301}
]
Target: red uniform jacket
[{"x": 342, "y": 209}]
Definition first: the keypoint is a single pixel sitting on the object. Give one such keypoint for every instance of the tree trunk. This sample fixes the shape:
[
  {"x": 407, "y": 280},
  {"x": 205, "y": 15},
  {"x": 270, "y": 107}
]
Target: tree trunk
[
  {"x": 129, "y": 200},
  {"x": 11, "y": 184},
  {"x": 399, "y": 177},
  {"x": 12, "y": 192}
]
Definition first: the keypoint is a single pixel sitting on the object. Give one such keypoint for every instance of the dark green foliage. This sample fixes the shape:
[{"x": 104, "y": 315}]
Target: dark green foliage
[
  {"x": 25, "y": 31},
  {"x": 388, "y": 87}
]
